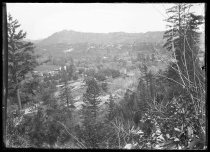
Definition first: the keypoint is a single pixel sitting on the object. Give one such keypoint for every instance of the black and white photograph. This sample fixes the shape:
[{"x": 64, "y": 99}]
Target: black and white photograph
[{"x": 104, "y": 76}]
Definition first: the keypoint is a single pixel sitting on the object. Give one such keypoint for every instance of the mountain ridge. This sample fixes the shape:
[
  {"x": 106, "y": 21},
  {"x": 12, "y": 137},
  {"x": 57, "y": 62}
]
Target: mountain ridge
[
  {"x": 70, "y": 36},
  {"x": 59, "y": 42}
]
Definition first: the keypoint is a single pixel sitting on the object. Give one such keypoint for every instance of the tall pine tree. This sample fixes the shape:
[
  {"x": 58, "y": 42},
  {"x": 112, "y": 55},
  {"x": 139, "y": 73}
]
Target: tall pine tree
[
  {"x": 182, "y": 39},
  {"x": 90, "y": 111},
  {"x": 65, "y": 92},
  {"x": 21, "y": 58}
]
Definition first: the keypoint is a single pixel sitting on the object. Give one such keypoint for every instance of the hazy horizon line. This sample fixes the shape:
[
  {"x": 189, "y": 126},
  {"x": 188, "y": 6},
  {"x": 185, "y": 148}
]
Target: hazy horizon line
[{"x": 91, "y": 32}]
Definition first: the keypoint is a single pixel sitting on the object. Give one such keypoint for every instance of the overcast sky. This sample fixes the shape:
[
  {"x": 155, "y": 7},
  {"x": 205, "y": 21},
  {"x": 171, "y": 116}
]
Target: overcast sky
[{"x": 40, "y": 20}]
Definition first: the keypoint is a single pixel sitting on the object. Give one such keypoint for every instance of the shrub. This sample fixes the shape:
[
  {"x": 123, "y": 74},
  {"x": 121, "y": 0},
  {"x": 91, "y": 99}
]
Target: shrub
[
  {"x": 110, "y": 72},
  {"x": 115, "y": 73},
  {"x": 75, "y": 77},
  {"x": 104, "y": 86},
  {"x": 100, "y": 77},
  {"x": 81, "y": 70},
  {"x": 90, "y": 72}
]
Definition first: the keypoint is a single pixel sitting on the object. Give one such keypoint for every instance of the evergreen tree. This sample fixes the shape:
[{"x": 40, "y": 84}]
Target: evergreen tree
[
  {"x": 172, "y": 36},
  {"x": 145, "y": 90},
  {"x": 150, "y": 78},
  {"x": 111, "y": 108},
  {"x": 142, "y": 99},
  {"x": 70, "y": 69},
  {"x": 191, "y": 41},
  {"x": 21, "y": 58},
  {"x": 182, "y": 40},
  {"x": 65, "y": 92},
  {"x": 90, "y": 111}
]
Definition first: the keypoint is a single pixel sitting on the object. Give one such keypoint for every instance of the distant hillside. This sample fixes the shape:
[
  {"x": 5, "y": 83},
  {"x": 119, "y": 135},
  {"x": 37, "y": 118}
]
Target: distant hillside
[
  {"x": 72, "y": 37},
  {"x": 79, "y": 44},
  {"x": 33, "y": 41}
]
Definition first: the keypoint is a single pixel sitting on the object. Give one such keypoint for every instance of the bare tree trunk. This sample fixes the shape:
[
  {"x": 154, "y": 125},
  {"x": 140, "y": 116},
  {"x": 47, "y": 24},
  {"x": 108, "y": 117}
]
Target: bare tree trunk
[
  {"x": 18, "y": 99},
  {"x": 18, "y": 93},
  {"x": 67, "y": 101},
  {"x": 67, "y": 98},
  {"x": 66, "y": 92},
  {"x": 202, "y": 137},
  {"x": 119, "y": 139}
]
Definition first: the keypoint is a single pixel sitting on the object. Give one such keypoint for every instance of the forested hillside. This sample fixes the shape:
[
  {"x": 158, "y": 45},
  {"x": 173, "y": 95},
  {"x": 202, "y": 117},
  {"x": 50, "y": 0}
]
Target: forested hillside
[
  {"x": 72, "y": 37},
  {"x": 108, "y": 90}
]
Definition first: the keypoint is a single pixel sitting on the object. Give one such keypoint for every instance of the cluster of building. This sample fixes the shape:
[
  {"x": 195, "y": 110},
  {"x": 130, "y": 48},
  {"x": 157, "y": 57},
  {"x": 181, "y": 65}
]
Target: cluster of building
[{"x": 51, "y": 72}]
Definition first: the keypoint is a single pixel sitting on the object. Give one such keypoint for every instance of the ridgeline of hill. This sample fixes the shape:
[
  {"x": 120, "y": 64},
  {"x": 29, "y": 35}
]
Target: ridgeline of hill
[
  {"x": 79, "y": 44},
  {"x": 72, "y": 37}
]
